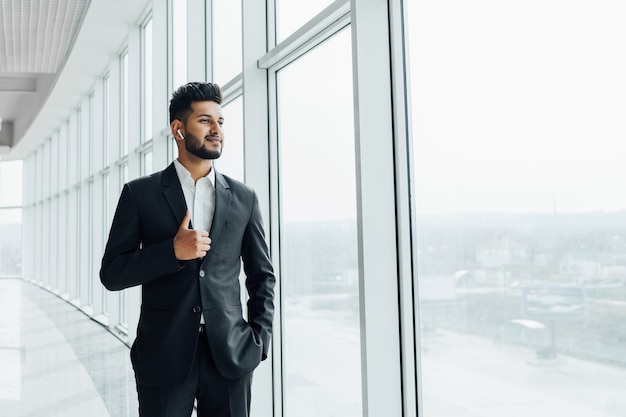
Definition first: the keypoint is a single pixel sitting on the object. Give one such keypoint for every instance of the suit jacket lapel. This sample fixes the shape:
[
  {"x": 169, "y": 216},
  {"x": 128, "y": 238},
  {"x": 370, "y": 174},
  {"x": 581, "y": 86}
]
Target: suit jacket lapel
[
  {"x": 222, "y": 204},
  {"x": 173, "y": 193}
]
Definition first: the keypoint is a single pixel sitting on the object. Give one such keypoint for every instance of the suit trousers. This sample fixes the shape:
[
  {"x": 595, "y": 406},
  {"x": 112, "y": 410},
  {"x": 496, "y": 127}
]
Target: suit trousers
[{"x": 216, "y": 395}]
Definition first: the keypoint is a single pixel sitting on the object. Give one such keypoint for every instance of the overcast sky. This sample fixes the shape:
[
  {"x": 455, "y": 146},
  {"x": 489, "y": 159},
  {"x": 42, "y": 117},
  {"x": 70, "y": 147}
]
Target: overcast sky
[{"x": 518, "y": 105}]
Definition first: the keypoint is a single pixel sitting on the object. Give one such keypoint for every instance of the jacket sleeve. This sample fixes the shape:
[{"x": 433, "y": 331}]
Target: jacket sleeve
[
  {"x": 126, "y": 262},
  {"x": 260, "y": 279}
]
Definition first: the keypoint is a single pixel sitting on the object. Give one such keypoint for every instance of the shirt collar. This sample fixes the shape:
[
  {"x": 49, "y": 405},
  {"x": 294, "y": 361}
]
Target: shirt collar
[{"x": 185, "y": 177}]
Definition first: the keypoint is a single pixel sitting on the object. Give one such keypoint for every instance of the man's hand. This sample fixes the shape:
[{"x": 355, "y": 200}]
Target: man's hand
[{"x": 190, "y": 243}]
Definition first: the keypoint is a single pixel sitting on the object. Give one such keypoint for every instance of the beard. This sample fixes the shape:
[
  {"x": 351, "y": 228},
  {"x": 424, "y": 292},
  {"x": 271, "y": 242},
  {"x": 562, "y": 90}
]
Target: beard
[{"x": 195, "y": 146}]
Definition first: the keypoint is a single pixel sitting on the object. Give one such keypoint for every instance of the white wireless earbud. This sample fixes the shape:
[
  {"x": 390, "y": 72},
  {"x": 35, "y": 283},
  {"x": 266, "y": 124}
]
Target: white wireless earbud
[{"x": 180, "y": 134}]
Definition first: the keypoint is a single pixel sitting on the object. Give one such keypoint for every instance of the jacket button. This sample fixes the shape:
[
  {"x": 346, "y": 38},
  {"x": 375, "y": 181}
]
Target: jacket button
[
  {"x": 197, "y": 309},
  {"x": 201, "y": 273}
]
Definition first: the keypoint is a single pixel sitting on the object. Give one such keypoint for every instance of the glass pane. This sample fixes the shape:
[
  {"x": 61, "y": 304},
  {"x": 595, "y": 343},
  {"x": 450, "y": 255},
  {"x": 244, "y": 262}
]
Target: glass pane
[
  {"x": 77, "y": 241},
  {"x": 123, "y": 309},
  {"x": 105, "y": 230},
  {"x": 147, "y": 81},
  {"x": 106, "y": 85},
  {"x": 292, "y": 14},
  {"x": 172, "y": 149},
  {"x": 231, "y": 161},
  {"x": 10, "y": 242},
  {"x": 87, "y": 154},
  {"x": 64, "y": 156},
  {"x": 76, "y": 151},
  {"x": 10, "y": 183},
  {"x": 319, "y": 270},
  {"x": 226, "y": 40},
  {"x": 123, "y": 175},
  {"x": 88, "y": 264},
  {"x": 124, "y": 106},
  {"x": 146, "y": 163},
  {"x": 179, "y": 11},
  {"x": 518, "y": 115}
]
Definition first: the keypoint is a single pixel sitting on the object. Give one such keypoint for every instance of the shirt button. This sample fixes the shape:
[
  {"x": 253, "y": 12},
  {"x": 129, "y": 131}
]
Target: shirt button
[
  {"x": 197, "y": 309},
  {"x": 201, "y": 274}
]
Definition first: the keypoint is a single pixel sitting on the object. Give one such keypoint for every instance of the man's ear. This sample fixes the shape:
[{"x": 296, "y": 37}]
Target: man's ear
[{"x": 175, "y": 128}]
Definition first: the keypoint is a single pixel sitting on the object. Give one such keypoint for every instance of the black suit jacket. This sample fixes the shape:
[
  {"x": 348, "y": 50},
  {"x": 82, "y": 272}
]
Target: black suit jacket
[{"x": 140, "y": 251}]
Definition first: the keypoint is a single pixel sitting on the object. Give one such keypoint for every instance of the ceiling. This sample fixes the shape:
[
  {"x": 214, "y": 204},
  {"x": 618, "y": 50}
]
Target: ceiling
[
  {"x": 52, "y": 52},
  {"x": 35, "y": 38}
]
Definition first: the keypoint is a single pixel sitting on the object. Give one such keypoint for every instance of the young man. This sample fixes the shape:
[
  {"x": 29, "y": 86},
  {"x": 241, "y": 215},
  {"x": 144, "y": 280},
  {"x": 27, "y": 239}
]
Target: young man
[{"x": 181, "y": 234}]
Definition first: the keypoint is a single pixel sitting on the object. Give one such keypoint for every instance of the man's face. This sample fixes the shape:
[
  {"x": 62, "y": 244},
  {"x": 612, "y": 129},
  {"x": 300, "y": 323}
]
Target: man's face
[{"x": 204, "y": 136}]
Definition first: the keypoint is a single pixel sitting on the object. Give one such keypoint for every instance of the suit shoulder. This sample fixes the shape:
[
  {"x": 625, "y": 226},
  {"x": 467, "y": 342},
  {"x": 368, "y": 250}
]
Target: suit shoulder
[
  {"x": 238, "y": 186},
  {"x": 146, "y": 181}
]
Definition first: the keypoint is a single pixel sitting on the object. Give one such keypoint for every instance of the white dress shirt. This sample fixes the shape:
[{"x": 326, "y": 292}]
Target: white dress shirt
[
  {"x": 199, "y": 196},
  {"x": 200, "y": 199}
]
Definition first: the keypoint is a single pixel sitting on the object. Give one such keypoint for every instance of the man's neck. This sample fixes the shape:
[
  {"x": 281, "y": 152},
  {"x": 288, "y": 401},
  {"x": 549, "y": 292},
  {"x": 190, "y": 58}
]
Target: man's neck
[{"x": 197, "y": 168}]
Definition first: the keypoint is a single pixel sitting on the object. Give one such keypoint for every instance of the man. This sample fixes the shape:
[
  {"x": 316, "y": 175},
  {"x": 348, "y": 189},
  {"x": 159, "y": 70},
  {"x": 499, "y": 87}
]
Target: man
[{"x": 181, "y": 234}]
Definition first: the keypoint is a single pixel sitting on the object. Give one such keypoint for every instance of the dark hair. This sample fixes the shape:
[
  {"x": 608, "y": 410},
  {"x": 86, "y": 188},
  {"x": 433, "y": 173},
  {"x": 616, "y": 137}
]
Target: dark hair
[{"x": 180, "y": 104}]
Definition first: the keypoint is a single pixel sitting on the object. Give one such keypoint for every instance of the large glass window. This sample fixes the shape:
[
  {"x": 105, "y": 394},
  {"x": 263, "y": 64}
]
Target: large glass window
[
  {"x": 75, "y": 151},
  {"x": 106, "y": 97},
  {"x": 319, "y": 266},
  {"x": 518, "y": 120},
  {"x": 124, "y": 104},
  {"x": 11, "y": 183},
  {"x": 147, "y": 80},
  {"x": 88, "y": 143},
  {"x": 179, "y": 34},
  {"x": 123, "y": 295},
  {"x": 226, "y": 40},
  {"x": 105, "y": 230},
  {"x": 146, "y": 162},
  {"x": 10, "y": 218},
  {"x": 231, "y": 161},
  {"x": 64, "y": 156}
]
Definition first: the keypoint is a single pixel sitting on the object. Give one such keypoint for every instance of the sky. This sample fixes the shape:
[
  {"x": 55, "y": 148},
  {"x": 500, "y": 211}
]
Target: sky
[{"x": 518, "y": 106}]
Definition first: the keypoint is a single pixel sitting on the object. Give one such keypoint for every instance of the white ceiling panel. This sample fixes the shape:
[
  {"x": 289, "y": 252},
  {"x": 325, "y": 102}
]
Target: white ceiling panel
[{"x": 35, "y": 35}]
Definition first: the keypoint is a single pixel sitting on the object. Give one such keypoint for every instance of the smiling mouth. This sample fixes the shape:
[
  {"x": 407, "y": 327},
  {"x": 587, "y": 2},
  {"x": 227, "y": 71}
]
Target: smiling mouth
[{"x": 214, "y": 139}]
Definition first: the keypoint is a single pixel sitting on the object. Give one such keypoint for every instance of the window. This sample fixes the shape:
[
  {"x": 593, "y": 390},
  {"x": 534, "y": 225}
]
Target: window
[
  {"x": 75, "y": 150},
  {"x": 122, "y": 296},
  {"x": 319, "y": 266},
  {"x": 11, "y": 184},
  {"x": 226, "y": 40},
  {"x": 106, "y": 97},
  {"x": 146, "y": 162},
  {"x": 10, "y": 218},
  {"x": 179, "y": 13},
  {"x": 231, "y": 161},
  {"x": 172, "y": 149},
  {"x": 124, "y": 104},
  {"x": 147, "y": 80},
  {"x": 87, "y": 145},
  {"x": 518, "y": 120},
  {"x": 147, "y": 108},
  {"x": 104, "y": 233}
]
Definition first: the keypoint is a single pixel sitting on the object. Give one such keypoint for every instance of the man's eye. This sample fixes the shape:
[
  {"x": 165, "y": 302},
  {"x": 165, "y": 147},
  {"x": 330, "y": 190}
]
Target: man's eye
[{"x": 204, "y": 120}]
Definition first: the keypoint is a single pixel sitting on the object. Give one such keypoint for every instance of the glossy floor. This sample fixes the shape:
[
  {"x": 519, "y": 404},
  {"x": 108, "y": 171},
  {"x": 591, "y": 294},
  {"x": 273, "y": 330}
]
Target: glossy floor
[{"x": 55, "y": 361}]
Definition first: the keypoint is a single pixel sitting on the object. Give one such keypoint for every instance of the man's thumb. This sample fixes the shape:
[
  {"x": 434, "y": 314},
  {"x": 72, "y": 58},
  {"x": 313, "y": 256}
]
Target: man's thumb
[{"x": 185, "y": 223}]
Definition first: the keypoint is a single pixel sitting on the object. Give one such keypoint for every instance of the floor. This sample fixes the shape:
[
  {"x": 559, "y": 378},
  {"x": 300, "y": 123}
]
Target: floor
[{"x": 55, "y": 361}]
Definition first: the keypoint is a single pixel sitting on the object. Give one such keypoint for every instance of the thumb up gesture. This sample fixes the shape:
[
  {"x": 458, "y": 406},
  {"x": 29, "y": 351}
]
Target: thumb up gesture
[{"x": 190, "y": 243}]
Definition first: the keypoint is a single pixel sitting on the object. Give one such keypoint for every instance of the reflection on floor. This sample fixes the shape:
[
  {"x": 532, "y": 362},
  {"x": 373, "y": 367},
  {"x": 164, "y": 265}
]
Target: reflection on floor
[{"x": 54, "y": 361}]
